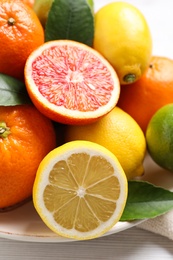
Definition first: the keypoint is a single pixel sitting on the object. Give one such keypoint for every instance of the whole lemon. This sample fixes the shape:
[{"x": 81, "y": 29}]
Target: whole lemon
[
  {"x": 123, "y": 37},
  {"x": 159, "y": 137},
  {"x": 119, "y": 133},
  {"x": 42, "y": 8}
]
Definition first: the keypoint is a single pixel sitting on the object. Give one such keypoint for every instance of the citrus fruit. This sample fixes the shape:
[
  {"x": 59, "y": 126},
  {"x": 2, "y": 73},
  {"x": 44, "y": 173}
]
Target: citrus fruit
[
  {"x": 20, "y": 33},
  {"x": 80, "y": 190},
  {"x": 41, "y": 8},
  {"x": 70, "y": 82},
  {"x": 118, "y": 132},
  {"x": 159, "y": 137},
  {"x": 123, "y": 37},
  {"x": 152, "y": 91},
  {"x": 91, "y": 4},
  {"x": 28, "y": 2},
  {"x": 26, "y": 136}
]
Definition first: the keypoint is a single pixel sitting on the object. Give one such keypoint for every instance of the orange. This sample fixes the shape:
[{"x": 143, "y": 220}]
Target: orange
[
  {"x": 152, "y": 91},
  {"x": 20, "y": 32},
  {"x": 70, "y": 82},
  {"x": 26, "y": 136},
  {"x": 29, "y": 2}
]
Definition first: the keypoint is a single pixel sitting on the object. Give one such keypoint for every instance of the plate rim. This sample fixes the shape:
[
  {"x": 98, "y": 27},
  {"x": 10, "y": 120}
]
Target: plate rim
[{"x": 124, "y": 225}]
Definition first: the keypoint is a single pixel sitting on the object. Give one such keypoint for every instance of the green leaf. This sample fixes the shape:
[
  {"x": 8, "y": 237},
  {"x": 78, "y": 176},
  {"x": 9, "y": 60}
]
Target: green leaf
[
  {"x": 72, "y": 20},
  {"x": 12, "y": 91},
  {"x": 146, "y": 201}
]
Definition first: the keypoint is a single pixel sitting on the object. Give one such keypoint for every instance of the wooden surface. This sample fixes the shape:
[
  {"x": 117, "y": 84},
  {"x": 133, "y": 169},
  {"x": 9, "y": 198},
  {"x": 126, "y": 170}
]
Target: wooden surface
[{"x": 131, "y": 244}]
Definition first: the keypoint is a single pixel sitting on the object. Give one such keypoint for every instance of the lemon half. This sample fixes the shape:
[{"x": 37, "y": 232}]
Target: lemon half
[{"x": 80, "y": 190}]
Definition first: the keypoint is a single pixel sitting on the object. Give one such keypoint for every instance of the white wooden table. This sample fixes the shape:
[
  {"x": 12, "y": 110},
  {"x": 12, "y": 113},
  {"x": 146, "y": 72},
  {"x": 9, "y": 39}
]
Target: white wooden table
[{"x": 131, "y": 244}]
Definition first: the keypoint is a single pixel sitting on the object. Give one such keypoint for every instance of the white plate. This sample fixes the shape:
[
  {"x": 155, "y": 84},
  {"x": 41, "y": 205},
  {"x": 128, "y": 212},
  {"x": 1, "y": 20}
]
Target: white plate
[{"x": 23, "y": 223}]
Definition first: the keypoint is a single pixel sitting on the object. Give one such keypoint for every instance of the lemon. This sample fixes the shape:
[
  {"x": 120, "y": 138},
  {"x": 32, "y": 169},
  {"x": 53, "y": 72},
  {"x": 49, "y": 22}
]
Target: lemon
[
  {"x": 41, "y": 8},
  {"x": 91, "y": 4},
  {"x": 80, "y": 190},
  {"x": 119, "y": 133},
  {"x": 159, "y": 137},
  {"x": 123, "y": 37}
]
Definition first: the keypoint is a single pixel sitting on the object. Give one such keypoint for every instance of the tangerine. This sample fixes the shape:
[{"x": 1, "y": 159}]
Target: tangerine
[
  {"x": 20, "y": 32},
  {"x": 26, "y": 136},
  {"x": 152, "y": 91}
]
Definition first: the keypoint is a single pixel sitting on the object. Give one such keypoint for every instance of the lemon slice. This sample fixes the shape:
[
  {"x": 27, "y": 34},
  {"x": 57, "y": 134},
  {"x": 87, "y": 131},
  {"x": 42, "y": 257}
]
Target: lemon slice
[{"x": 80, "y": 190}]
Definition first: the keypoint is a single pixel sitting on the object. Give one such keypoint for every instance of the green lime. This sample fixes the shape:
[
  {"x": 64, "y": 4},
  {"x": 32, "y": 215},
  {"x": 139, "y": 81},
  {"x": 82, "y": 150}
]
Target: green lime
[{"x": 159, "y": 137}]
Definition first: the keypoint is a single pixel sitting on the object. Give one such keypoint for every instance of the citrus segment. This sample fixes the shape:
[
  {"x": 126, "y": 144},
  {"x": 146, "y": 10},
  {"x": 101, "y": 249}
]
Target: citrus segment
[
  {"x": 80, "y": 190},
  {"x": 70, "y": 82}
]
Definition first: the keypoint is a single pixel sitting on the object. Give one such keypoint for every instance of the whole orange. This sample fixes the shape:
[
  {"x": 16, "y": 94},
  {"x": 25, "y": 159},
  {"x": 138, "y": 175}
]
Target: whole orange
[
  {"x": 26, "y": 136},
  {"x": 20, "y": 33},
  {"x": 152, "y": 91}
]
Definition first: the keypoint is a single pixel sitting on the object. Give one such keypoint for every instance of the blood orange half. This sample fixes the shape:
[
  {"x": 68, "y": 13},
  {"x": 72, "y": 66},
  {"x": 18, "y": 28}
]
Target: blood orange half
[{"x": 70, "y": 82}]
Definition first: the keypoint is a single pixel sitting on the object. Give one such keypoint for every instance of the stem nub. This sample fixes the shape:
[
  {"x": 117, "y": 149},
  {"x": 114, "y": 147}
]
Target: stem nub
[
  {"x": 129, "y": 78},
  {"x": 11, "y": 21},
  {"x": 4, "y": 130}
]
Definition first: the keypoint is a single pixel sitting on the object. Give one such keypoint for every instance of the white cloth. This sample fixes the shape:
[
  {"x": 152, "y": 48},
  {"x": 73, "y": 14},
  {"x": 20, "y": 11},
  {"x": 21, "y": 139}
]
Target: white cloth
[{"x": 162, "y": 225}]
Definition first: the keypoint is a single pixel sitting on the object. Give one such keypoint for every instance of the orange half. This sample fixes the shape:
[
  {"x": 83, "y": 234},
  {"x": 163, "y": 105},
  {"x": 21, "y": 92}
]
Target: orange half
[{"x": 70, "y": 82}]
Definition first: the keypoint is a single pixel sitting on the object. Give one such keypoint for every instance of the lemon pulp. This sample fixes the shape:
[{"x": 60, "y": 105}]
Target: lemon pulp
[{"x": 81, "y": 192}]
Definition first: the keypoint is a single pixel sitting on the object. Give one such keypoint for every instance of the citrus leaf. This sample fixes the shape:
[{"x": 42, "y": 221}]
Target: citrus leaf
[
  {"x": 72, "y": 20},
  {"x": 12, "y": 91},
  {"x": 146, "y": 201}
]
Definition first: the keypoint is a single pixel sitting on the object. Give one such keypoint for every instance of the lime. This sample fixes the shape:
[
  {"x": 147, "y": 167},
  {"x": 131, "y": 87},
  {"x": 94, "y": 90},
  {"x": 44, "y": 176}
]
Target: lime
[{"x": 159, "y": 137}]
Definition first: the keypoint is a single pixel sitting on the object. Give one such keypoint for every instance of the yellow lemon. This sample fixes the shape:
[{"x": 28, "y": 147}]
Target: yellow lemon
[
  {"x": 118, "y": 132},
  {"x": 42, "y": 8},
  {"x": 80, "y": 190},
  {"x": 123, "y": 37}
]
